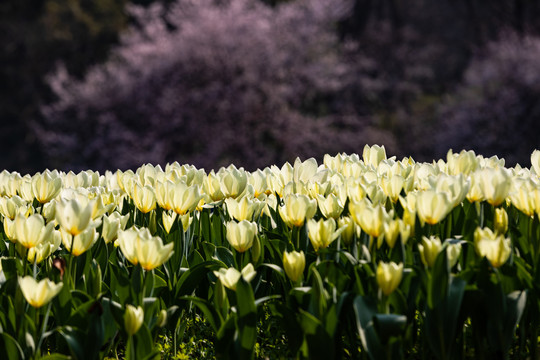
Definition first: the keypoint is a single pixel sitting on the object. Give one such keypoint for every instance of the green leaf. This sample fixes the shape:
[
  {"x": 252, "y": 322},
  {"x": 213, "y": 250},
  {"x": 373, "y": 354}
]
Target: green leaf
[
  {"x": 247, "y": 320},
  {"x": 365, "y": 310},
  {"x": 210, "y": 313},
  {"x": 9, "y": 347}
]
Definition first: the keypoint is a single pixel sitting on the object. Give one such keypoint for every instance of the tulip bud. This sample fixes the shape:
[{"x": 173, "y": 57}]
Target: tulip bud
[
  {"x": 294, "y": 264},
  {"x": 429, "y": 249},
  {"x": 162, "y": 318},
  {"x": 500, "y": 221},
  {"x": 389, "y": 276},
  {"x": 133, "y": 319}
]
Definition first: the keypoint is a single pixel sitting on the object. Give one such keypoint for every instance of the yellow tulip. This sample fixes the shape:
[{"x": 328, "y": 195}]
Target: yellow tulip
[
  {"x": 151, "y": 252},
  {"x": 495, "y": 247},
  {"x": 133, "y": 319},
  {"x": 241, "y": 235},
  {"x": 465, "y": 162},
  {"x": 389, "y": 276},
  {"x": 233, "y": 181},
  {"x": 371, "y": 218},
  {"x": 349, "y": 229},
  {"x": 80, "y": 243},
  {"x": 373, "y": 155},
  {"x": 9, "y": 207},
  {"x": 168, "y": 218},
  {"x": 74, "y": 215},
  {"x": 243, "y": 208},
  {"x": 46, "y": 186},
  {"x": 296, "y": 209},
  {"x": 322, "y": 233},
  {"x": 522, "y": 195},
  {"x": 144, "y": 197},
  {"x": 39, "y": 293},
  {"x": 294, "y": 264},
  {"x": 429, "y": 250},
  {"x": 330, "y": 206},
  {"x": 111, "y": 225},
  {"x": 495, "y": 184},
  {"x": 140, "y": 247},
  {"x": 432, "y": 206},
  {"x": 45, "y": 248},
  {"x": 184, "y": 198},
  {"x": 392, "y": 186},
  {"x": 229, "y": 277},
  {"x": 31, "y": 231},
  {"x": 257, "y": 179},
  {"x": 500, "y": 221}
]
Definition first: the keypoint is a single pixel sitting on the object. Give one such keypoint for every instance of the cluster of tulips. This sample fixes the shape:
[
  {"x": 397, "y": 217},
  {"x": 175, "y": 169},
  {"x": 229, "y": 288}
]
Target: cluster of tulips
[{"x": 357, "y": 257}]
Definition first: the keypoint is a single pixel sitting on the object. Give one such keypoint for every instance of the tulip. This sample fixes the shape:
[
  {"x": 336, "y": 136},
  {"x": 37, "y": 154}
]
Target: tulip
[
  {"x": 80, "y": 243},
  {"x": 46, "y": 186},
  {"x": 330, "y": 206},
  {"x": 39, "y": 293},
  {"x": 465, "y": 162},
  {"x": 243, "y": 208},
  {"x": 184, "y": 198},
  {"x": 233, "y": 181},
  {"x": 41, "y": 251},
  {"x": 294, "y": 264},
  {"x": 240, "y": 235},
  {"x": 168, "y": 218},
  {"x": 111, "y": 225},
  {"x": 373, "y": 155},
  {"x": 495, "y": 184},
  {"x": 535, "y": 162},
  {"x": 349, "y": 229},
  {"x": 133, "y": 319},
  {"x": 74, "y": 215},
  {"x": 322, "y": 233},
  {"x": 495, "y": 247},
  {"x": 432, "y": 206},
  {"x": 31, "y": 231},
  {"x": 296, "y": 209},
  {"x": 389, "y": 276},
  {"x": 371, "y": 218},
  {"x": 140, "y": 247},
  {"x": 500, "y": 221},
  {"x": 9, "y": 207},
  {"x": 429, "y": 250},
  {"x": 144, "y": 197},
  {"x": 392, "y": 186},
  {"x": 229, "y": 277}
]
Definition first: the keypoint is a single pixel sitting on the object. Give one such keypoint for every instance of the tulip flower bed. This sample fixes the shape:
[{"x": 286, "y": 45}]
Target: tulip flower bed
[{"x": 358, "y": 257}]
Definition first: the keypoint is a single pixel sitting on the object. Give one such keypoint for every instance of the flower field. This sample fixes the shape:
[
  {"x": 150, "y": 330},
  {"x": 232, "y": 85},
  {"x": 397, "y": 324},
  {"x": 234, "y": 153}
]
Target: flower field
[{"x": 360, "y": 257}]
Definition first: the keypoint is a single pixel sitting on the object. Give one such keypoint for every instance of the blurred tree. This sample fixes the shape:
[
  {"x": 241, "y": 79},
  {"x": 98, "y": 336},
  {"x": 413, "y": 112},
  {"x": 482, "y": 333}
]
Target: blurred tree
[
  {"x": 496, "y": 110},
  {"x": 33, "y": 37},
  {"x": 234, "y": 82}
]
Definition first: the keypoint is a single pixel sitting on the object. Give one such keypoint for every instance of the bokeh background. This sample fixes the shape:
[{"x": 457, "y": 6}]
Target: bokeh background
[{"x": 107, "y": 84}]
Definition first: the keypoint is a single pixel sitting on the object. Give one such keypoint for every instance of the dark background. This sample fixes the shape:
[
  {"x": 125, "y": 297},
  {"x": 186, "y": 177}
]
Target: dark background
[{"x": 106, "y": 84}]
